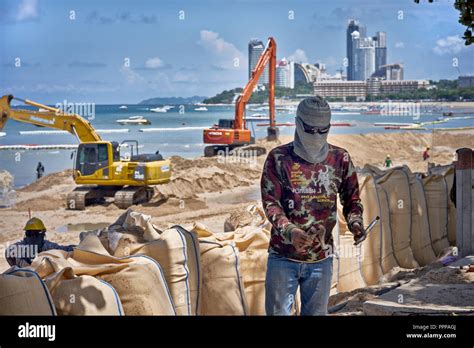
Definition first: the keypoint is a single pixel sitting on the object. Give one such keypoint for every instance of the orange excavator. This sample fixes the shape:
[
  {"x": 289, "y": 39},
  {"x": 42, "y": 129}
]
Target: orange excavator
[{"x": 231, "y": 133}]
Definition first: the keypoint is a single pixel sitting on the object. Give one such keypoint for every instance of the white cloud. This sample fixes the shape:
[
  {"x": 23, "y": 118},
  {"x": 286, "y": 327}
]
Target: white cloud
[
  {"x": 399, "y": 44},
  {"x": 450, "y": 44},
  {"x": 299, "y": 56},
  {"x": 154, "y": 63},
  {"x": 182, "y": 76},
  {"x": 28, "y": 9},
  {"x": 132, "y": 76},
  {"x": 226, "y": 52}
]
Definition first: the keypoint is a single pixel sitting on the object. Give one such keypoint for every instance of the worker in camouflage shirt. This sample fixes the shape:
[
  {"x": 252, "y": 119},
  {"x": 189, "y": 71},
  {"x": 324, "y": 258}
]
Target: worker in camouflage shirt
[{"x": 300, "y": 183}]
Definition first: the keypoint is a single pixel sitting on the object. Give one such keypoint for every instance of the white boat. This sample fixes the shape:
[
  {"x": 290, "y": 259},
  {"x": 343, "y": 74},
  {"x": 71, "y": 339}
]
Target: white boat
[
  {"x": 159, "y": 109},
  {"x": 123, "y": 107},
  {"x": 138, "y": 120},
  {"x": 2, "y": 134},
  {"x": 201, "y": 108},
  {"x": 257, "y": 117}
]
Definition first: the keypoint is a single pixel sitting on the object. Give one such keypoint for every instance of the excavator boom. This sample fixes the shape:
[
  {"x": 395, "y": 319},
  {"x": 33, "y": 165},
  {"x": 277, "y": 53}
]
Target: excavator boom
[
  {"x": 268, "y": 56},
  {"x": 47, "y": 117},
  {"x": 231, "y": 133}
]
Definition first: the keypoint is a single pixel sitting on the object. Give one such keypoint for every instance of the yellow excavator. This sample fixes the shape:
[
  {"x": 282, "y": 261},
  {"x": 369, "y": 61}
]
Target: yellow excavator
[{"x": 98, "y": 166}]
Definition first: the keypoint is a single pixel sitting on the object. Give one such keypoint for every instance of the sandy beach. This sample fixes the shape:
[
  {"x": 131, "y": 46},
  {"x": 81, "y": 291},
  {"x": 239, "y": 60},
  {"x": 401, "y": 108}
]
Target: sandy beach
[{"x": 206, "y": 190}]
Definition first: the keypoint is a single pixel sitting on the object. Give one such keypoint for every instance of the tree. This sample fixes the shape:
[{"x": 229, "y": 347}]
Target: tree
[{"x": 466, "y": 17}]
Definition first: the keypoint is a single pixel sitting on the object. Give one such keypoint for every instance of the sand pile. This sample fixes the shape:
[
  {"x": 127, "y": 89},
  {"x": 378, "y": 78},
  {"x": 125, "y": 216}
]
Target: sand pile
[
  {"x": 50, "y": 180},
  {"x": 202, "y": 175}
]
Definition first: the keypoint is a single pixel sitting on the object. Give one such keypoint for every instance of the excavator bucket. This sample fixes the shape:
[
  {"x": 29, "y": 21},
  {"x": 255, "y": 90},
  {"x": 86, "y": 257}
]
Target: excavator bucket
[{"x": 4, "y": 109}]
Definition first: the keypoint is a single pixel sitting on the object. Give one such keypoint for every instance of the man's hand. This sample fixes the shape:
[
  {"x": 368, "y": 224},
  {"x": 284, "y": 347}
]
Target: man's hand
[
  {"x": 358, "y": 231},
  {"x": 300, "y": 239}
]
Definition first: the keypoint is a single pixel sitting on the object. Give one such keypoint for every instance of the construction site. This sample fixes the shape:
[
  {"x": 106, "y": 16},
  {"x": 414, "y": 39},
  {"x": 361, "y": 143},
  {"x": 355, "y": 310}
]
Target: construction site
[
  {"x": 126, "y": 232},
  {"x": 207, "y": 231}
]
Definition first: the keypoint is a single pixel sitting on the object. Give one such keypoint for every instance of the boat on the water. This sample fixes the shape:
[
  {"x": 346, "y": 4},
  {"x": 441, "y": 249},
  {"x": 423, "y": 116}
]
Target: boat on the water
[
  {"x": 201, "y": 108},
  {"x": 257, "y": 117},
  {"x": 162, "y": 108},
  {"x": 134, "y": 120},
  {"x": 123, "y": 107},
  {"x": 159, "y": 109}
]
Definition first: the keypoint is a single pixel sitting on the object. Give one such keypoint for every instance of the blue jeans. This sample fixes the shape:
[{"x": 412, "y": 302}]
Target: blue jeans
[{"x": 283, "y": 278}]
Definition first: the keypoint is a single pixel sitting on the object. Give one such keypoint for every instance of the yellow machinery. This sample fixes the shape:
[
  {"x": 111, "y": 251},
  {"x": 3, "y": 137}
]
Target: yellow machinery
[{"x": 98, "y": 162}]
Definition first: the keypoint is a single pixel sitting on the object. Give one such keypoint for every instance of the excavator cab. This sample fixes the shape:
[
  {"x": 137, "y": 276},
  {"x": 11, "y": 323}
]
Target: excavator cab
[{"x": 94, "y": 156}]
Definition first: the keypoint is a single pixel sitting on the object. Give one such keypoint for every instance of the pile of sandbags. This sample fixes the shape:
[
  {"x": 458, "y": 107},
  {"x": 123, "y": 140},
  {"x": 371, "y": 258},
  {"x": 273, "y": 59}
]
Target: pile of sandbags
[
  {"x": 417, "y": 224},
  {"x": 133, "y": 268}
]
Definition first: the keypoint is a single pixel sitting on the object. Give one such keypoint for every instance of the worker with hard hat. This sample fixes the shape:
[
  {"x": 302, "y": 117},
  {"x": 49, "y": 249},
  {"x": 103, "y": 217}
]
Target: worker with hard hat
[
  {"x": 22, "y": 253},
  {"x": 388, "y": 161}
]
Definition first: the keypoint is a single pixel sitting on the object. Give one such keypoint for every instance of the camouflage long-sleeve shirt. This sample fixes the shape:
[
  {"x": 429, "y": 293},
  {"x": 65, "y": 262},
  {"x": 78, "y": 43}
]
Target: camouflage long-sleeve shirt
[{"x": 296, "y": 193}]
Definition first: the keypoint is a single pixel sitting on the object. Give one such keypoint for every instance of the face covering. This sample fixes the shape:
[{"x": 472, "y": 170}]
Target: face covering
[
  {"x": 314, "y": 112},
  {"x": 312, "y": 148}
]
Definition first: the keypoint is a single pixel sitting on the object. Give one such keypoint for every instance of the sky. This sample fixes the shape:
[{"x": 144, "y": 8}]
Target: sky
[{"x": 124, "y": 51}]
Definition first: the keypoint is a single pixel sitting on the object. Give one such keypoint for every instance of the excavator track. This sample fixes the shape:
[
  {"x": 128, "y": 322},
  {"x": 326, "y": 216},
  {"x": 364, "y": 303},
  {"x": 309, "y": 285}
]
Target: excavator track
[
  {"x": 131, "y": 195},
  {"x": 82, "y": 196}
]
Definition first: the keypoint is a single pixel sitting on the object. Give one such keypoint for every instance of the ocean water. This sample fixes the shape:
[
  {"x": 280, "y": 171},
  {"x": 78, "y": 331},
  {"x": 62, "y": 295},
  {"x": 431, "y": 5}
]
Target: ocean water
[{"x": 172, "y": 133}]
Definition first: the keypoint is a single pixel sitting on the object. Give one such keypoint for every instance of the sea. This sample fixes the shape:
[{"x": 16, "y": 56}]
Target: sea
[{"x": 179, "y": 131}]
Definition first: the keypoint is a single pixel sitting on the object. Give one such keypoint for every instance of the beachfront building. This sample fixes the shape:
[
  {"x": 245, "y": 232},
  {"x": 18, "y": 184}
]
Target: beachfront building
[
  {"x": 341, "y": 89},
  {"x": 256, "y": 48},
  {"x": 285, "y": 74},
  {"x": 402, "y": 86},
  {"x": 466, "y": 81},
  {"x": 308, "y": 73},
  {"x": 360, "y": 89}
]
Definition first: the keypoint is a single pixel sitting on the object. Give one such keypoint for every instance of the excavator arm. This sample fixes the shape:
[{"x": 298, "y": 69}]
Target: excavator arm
[
  {"x": 267, "y": 57},
  {"x": 47, "y": 117}
]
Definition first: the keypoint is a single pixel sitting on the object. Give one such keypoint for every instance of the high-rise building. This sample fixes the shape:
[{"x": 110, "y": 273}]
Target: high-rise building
[
  {"x": 256, "y": 48},
  {"x": 380, "y": 49},
  {"x": 364, "y": 57},
  {"x": 285, "y": 74},
  {"x": 353, "y": 26}
]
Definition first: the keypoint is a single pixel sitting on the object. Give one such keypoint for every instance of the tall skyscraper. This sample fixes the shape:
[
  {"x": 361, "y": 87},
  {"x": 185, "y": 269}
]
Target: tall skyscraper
[
  {"x": 380, "y": 49},
  {"x": 256, "y": 48},
  {"x": 364, "y": 57},
  {"x": 352, "y": 26}
]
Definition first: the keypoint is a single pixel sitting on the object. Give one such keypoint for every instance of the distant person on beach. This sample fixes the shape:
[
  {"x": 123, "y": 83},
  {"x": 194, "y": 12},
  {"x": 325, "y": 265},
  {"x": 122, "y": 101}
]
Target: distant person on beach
[
  {"x": 388, "y": 161},
  {"x": 39, "y": 170},
  {"x": 22, "y": 253},
  {"x": 426, "y": 154},
  {"x": 300, "y": 184}
]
